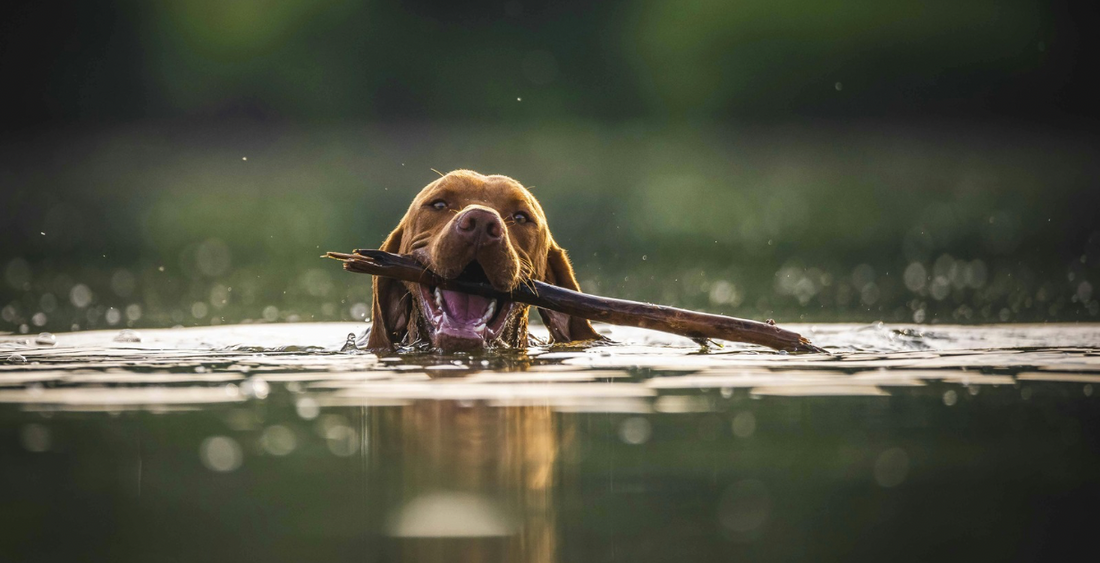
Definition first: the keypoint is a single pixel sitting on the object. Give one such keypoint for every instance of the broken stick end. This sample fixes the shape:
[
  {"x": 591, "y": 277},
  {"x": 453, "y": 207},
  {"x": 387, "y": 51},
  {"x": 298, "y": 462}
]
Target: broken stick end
[{"x": 804, "y": 346}]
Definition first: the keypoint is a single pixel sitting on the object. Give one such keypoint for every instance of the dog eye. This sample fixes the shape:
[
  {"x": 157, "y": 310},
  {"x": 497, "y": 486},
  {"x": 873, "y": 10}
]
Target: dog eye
[
  {"x": 520, "y": 217},
  {"x": 439, "y": 204}
]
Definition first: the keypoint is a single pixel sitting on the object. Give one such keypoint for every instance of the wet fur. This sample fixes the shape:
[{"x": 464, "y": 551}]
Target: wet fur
[{"x": 527, "y": 252}]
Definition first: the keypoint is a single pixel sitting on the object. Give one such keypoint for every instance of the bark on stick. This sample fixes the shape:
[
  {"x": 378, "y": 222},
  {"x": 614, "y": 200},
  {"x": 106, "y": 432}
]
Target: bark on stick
[{"x": 692, "y": 324}]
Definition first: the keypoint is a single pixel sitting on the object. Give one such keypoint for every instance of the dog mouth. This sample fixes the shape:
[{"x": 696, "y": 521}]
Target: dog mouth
[{"x": 462, "y": 321}]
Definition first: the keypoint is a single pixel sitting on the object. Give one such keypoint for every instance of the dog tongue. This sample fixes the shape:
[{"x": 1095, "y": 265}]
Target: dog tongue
[{"x": 463, "y": 308}]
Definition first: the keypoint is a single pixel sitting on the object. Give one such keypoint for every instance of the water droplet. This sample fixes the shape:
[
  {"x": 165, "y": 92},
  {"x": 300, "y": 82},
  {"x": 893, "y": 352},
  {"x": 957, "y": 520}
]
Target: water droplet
[
  {"x": 45, "y": 339},
  {"x": 221, "y": 454},
  {"x": 644, "y": 257},
  {"x": 342, "y": 440},
  {"x": 915, "y": 277},
  {"x": 349, "y": 344},
  {"x": 80, "y": 296},
  {"x": 744, "y": 424},
  {"x": 635, "y": 430},
  {"x": 278, "y": 440},
  {"x": 16, "y": 359},
  {"x": 950, "y": 397},
  {"x": 255, "y": 388},
  {"x": 307, "y": 408},
  {"x": 127, "y": 335}
]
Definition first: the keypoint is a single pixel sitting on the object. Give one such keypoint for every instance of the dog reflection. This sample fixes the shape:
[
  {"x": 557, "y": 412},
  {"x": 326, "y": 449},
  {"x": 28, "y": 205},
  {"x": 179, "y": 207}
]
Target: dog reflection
[{"x": 479, "y": 482}]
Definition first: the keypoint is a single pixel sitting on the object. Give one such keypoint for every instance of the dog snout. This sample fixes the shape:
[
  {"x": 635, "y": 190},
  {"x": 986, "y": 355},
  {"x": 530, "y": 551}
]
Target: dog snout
[{"x": 479, "y": 226}]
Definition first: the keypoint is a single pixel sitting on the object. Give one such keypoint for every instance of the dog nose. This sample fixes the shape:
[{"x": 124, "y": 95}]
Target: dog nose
[{"x": 480, "y": 224}]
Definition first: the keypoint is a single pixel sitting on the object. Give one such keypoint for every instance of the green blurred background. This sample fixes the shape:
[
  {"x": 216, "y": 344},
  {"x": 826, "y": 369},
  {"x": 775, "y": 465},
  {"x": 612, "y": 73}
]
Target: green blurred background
[{"x": 185, "y": 162}]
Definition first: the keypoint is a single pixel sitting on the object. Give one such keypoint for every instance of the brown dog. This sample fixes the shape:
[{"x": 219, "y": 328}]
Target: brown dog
[{"x": 487, "y": 228}]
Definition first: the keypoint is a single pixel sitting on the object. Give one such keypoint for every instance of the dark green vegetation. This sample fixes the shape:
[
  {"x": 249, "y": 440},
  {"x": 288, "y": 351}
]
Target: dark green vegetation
[
  {"x": 802, "y": 160},
  {"x": 705, "y": 60},
  {"x": 831, "y": 223}
]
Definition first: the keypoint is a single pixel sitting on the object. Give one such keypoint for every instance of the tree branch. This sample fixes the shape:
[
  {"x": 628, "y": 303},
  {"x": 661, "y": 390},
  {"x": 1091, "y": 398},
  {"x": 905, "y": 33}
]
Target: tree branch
[{"x": 613, "y": 311}]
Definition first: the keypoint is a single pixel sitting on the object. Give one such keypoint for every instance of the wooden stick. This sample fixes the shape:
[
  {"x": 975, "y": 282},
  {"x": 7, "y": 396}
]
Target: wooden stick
[{"x": 614, "y": 311}]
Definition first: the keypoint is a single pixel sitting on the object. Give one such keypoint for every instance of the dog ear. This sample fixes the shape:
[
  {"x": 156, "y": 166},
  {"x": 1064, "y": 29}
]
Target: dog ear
[
  {"x": 390, "y": 303},
  {"x": 562, "y": 327}
]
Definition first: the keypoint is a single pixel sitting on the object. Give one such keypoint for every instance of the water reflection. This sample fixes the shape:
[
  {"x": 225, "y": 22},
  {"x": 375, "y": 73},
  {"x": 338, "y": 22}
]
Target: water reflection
[
  {"x": 275, "y": 443},
  {"x": 483, "y": 477}
]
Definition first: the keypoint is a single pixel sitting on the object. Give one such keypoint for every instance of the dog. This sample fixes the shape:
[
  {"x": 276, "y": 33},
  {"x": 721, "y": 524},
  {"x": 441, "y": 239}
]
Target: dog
[{"x": 485, "y": 228}]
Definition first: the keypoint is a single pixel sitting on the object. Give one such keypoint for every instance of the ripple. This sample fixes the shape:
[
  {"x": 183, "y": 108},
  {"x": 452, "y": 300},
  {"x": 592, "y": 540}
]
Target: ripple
[{"x": 643, "y": 372}]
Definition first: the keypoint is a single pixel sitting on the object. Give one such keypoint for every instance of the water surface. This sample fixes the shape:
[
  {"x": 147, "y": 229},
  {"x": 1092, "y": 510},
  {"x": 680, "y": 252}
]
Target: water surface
[{"x": 278, "y": 442}]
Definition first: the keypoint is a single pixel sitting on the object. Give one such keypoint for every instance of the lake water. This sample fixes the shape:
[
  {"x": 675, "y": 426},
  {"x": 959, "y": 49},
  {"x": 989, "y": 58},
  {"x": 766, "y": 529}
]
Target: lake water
[{"x": 275, "y": 443}]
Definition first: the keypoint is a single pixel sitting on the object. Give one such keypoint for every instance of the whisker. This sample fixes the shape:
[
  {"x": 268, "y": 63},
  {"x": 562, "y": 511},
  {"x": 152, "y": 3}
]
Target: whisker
[
  {"x": 527, "y": 272},
  {"x": 530, "y": 283}
]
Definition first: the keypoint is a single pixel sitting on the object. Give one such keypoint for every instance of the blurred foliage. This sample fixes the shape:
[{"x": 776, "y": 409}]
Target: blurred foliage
[
  {"x": 704, "y": 59},
  {"x": 930, "y": 224},
  {"x": 776, "y": 56}
]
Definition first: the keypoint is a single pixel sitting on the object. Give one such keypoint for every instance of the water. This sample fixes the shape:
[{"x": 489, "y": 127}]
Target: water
[{"x": 279, "y": 442}]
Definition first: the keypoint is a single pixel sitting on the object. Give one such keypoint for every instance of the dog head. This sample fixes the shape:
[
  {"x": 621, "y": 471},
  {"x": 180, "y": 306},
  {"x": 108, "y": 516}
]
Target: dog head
[{"x": 485, "y": 228}]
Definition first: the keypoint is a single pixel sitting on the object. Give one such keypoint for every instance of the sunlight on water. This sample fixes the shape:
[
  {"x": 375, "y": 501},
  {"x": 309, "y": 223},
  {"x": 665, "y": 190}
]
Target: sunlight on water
[{"x": 239, "y": 363}]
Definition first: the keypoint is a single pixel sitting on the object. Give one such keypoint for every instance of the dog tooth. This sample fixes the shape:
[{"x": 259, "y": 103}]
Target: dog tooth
[
  {"x": 489, "y": 312},
  {"x": 438, "y": 298}
]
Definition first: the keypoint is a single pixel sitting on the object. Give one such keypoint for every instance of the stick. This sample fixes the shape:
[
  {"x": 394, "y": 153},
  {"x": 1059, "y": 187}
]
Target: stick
[{"x": 613, "y": 311}]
